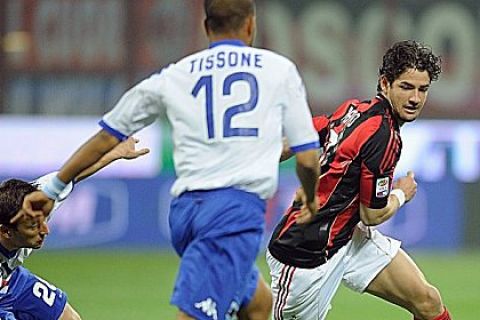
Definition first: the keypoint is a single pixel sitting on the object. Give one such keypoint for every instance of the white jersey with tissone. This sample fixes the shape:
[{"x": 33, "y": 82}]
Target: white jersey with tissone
[
  {"x": 9, "y": 261},
  {"x": 229, "y": 106}
]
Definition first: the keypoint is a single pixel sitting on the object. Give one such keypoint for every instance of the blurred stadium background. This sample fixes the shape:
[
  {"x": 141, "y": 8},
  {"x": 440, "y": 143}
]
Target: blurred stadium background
[{"x": 63, "y": 63}]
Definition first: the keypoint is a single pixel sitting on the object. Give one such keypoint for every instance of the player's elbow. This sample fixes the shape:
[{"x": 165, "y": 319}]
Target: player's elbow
[
  {"x": 372, "y": 217},
  {"x": 371, "y": 221},
  {"x": 308, "y": 159}
]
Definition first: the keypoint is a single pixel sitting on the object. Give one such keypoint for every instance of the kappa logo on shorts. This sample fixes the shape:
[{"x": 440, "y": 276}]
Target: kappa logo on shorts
[
  {"x": 382, "y": 187},
  {"x": 209, "y": 307},
  {"x": 232, "y": 313}
]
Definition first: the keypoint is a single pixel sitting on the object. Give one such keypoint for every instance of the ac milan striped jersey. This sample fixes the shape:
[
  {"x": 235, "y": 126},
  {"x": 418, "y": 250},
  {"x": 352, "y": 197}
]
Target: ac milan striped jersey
[{"x": 361, "y": 147}]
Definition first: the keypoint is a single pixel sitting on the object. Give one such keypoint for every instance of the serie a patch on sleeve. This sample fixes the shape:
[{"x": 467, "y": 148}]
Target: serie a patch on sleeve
[{"x": 382, "y": 187}]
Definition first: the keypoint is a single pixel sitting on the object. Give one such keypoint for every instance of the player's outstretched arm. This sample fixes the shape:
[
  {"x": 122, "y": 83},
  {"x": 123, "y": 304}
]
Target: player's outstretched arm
[
  {"x": 87, "y": 155},
  {"x": 404, "y": 189},
  {"x": 124, "y": 150}
]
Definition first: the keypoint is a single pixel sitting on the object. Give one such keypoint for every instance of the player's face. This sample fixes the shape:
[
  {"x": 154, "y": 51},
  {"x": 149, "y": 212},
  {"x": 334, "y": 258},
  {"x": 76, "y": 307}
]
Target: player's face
[
  {"x": 30, "y": 232},
  {"x": 408, "y": 94}
]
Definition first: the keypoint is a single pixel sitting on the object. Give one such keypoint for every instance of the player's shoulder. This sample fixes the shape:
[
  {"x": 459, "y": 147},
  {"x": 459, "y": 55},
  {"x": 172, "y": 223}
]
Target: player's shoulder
[
  {"x": 378, "y": 104},
  {"x": 276, "y": 59},
  {"x": 274, "y": 55},
  {"x": 186, "y": 60},
  {"x": 368, "y": 108},
  {"x": 369, "y": 115},
  {"x": 378, "y": 114}
]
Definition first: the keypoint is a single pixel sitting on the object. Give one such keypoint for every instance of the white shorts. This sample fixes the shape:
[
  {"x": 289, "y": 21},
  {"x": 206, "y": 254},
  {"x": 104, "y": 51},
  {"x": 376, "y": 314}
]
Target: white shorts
[{"x": 305, "y": 294}]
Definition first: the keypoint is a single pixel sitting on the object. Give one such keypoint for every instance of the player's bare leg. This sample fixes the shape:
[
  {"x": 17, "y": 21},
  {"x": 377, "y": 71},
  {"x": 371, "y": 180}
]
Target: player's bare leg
[
  {"x": 261, "y": 305},
  {"x": 69, "y": 313},
  {"x": 403, "y": 284}
]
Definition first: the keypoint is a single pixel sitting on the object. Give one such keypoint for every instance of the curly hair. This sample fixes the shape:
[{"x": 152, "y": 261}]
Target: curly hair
[
  {"x": 12, "y": 193},
  {"x": 409, "y": 54}
]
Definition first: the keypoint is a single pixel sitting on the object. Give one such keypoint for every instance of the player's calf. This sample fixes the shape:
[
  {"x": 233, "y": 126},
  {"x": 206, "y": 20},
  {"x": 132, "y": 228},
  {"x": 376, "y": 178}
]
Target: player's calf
[{"x": 427, "y": 304}]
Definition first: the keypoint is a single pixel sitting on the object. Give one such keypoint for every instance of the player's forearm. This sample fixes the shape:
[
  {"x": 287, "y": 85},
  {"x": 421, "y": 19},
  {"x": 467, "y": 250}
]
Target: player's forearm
[
  {"x": 84, "y": 161},
  {"x": 100, "y": 164},
  {"x": 373, "y": 217},
  {"x": 308, "y": 171}
]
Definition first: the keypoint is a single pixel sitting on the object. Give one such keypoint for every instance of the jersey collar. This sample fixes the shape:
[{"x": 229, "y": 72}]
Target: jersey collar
[{"x": 230, "y": 42}]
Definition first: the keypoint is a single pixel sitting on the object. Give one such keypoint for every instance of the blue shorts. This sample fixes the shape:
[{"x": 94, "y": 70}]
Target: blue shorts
[
  {"x": 218, "y": 234},
  {"x": 31, "y": 298}
]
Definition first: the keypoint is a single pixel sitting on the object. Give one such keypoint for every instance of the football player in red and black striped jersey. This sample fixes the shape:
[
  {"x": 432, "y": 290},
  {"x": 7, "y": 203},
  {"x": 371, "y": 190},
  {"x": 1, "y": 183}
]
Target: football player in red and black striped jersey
[{"x": 361, "y": 147}]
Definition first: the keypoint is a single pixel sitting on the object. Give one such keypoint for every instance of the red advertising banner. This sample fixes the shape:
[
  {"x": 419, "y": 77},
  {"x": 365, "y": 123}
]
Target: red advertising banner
[
  {"x": 337, "y": 45},
  {"x": 58, "y": 35}
]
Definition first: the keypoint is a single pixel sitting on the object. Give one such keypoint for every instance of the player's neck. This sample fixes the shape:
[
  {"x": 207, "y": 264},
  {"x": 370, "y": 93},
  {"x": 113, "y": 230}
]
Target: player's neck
[
  {"x": 399, "y": 121},
  {"x": 228, "y": 36},
  {"x": 6, "y": 245}
]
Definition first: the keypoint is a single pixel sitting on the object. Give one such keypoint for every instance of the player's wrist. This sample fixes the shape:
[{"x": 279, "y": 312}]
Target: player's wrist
[
  {"x": 53, "y": 188},
  {"x": 400, "y": 195}
]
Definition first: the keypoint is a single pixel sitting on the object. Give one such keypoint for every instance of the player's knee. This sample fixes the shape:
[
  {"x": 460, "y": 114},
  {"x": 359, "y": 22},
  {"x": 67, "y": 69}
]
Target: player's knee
[{"x": 428, "y": 303}]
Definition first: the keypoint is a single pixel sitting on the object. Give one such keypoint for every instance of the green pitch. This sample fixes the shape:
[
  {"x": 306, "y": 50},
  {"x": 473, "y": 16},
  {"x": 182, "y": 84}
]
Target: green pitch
[{"x": 121, "y": 285}]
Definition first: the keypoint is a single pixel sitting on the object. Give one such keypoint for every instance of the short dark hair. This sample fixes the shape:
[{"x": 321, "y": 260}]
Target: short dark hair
[
  {"x": 227, "y": 15},
  {"x": 409, "y": 54},
  {"x": 12, "y": 193}
]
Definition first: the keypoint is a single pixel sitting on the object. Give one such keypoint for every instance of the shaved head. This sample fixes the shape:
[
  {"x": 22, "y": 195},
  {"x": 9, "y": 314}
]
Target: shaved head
[{"x": 226, "y": 16}]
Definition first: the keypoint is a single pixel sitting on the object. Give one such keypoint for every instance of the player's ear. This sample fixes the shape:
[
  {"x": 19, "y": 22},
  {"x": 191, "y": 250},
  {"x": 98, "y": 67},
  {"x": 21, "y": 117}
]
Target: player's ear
[
  {"x": 251, "y": 26},
  {"x": 5, "y": 231},
  {"x": 384, "y": 84},
  {"x": 205, "y": 26}
]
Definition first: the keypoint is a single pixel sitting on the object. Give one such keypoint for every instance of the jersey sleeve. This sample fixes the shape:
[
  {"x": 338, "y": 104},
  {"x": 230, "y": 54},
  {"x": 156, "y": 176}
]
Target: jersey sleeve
[
  {"x": 43, "y": 180},
  {"x": 298, "y": 126},
  {"x": 322, "y": 126},
  {"x": 137, "y": 108},
  {"x": 379, "y": 158}
]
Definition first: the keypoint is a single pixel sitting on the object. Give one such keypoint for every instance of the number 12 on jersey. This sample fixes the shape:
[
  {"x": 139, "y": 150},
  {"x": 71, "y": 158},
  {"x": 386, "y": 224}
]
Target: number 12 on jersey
[{"x": 232, "y": 111}]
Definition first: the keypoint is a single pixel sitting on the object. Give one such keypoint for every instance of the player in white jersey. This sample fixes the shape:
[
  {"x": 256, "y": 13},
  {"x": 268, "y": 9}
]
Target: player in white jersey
[
  {"x": 229, "y": 106},
  {"x": 23, "y": 295}
]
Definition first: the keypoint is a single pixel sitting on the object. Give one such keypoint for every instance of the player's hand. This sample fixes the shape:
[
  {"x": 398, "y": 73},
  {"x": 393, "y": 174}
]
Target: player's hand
[
  {"x": 34, "y": 205},
  {"x": 126, "y": 150},
  {"x": 307, "y": 213},
  {"x": 408, "y": 185},
  {"x": 308, "y": 210}
]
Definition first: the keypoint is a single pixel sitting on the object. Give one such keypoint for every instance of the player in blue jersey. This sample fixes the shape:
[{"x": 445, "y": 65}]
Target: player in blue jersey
[
  {"x": 23, "y": 295},
  {"x": 229, "y": 106}
]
